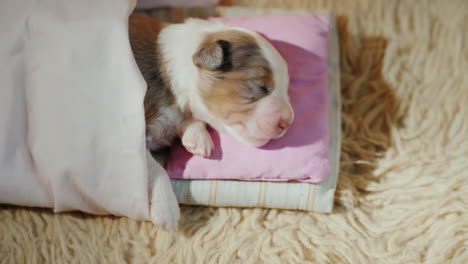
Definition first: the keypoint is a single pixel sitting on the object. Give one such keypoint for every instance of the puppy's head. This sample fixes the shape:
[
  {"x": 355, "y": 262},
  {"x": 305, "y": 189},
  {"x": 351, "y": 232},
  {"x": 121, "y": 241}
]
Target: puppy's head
[{"x": 244, "y": 86}]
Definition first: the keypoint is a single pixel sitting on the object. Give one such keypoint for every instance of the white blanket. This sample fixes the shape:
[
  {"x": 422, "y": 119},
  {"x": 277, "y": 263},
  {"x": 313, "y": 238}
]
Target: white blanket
[{"x": 71, "y": 108}]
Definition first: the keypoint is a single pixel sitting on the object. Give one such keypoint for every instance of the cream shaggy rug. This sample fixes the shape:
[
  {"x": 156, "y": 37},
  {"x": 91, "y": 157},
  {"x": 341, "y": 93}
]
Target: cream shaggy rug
[{"x": 403, "y": 191}]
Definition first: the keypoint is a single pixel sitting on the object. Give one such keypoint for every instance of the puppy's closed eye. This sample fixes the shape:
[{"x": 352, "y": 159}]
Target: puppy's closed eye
[
  {"x": 264, "y": 89},
  {"x": 254, "y": 90}
]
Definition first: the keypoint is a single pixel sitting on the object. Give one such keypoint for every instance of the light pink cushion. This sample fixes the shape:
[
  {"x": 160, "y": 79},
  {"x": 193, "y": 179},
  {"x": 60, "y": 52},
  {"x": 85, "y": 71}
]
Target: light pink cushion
[{"x": 302, "y": 154}]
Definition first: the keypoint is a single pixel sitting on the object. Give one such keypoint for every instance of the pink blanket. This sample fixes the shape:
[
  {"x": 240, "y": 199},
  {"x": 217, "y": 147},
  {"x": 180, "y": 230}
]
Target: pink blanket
[{"x": 303, "y": 153}]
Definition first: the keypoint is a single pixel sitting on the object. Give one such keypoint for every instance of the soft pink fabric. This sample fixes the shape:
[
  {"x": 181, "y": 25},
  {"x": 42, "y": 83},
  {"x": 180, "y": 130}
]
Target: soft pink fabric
[{"x": 302, "y": 154}]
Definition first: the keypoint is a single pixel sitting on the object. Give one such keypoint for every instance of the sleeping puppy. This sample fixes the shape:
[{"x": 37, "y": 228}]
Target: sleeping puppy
[{"x": 203, "y": 72}]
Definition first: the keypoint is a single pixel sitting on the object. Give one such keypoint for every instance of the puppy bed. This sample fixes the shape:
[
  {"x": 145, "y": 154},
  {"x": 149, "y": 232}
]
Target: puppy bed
[
  {"x": 313, "y": 197},
  {"x": 72, "y": 118}
]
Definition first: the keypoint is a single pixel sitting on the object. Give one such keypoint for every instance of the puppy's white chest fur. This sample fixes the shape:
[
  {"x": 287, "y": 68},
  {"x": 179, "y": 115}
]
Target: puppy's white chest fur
[{"x": 161, "y": 131}]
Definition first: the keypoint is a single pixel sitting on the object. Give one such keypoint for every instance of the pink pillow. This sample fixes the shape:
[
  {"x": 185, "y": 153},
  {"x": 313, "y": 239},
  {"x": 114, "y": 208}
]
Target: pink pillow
[{"x": 302, "y": 154}]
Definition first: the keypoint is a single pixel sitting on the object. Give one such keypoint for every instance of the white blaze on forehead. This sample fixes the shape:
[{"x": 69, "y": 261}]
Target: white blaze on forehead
[{"x": 279, "y": 68}]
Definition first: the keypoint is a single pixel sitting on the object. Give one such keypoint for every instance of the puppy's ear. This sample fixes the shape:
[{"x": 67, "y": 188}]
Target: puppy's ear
[{"x": 214, "y": 56}]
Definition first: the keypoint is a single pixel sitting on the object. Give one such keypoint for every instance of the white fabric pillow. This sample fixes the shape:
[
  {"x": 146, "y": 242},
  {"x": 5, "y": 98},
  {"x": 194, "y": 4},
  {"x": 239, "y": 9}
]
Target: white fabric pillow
[{"x": 71, "y": 108}]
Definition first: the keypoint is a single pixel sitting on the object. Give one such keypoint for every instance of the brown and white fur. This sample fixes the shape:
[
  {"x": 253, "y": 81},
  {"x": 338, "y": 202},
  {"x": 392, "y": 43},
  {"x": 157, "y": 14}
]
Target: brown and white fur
[{"x": 203, "y": 72}]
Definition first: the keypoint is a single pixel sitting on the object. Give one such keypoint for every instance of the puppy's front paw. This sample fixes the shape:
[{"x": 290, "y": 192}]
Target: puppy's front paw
[
  {"x": 165, "y": 210},
  {"x": 198, "y": 141}
]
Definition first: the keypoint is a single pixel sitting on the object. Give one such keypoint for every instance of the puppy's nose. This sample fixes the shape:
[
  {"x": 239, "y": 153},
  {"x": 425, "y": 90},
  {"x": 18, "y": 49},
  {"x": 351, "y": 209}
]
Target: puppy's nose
[
  {"x": 281, "y": 128},
  {"x": 282, "y": 125}
]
